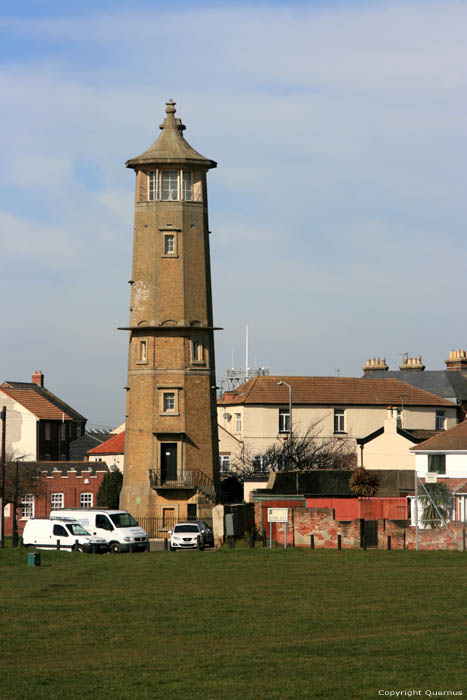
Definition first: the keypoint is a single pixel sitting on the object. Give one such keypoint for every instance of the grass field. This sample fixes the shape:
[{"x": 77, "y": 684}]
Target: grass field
[{"x": 278, "y": 625}]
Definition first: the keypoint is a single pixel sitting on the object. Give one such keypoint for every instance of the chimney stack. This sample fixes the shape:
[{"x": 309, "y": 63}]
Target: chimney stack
[
  {"x": 375, "y": 363},
  {"x": 412, "y": 364},
  {"x": 457, "y": 360},
  {"x": 38, "y": 378}
]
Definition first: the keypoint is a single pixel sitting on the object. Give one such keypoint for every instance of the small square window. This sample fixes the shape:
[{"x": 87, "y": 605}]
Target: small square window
[
  {"x": 437, "y": 464},
  {"x": 225, "y": 463},
  {"x": 56, "y": 500},
  {"x": 85, "y": 500}
]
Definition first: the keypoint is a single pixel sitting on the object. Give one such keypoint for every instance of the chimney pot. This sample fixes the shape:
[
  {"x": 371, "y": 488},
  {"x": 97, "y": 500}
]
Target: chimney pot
[{"x": 38, "y": 378}]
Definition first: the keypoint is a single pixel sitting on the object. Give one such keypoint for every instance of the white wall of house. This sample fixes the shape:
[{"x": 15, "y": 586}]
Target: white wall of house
[
  {"x": 21, "y": 430},
  {"x": 456, "y": 464},
  {"x": 258, "y": 426},
  {"x": 389, "y": 450}
]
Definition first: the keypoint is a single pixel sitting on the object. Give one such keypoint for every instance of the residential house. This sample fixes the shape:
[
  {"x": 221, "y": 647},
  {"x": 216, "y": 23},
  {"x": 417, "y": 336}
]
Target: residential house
[
  {"x": 450, "y": 383},
  {"x": 256, "y": 414},
  {"x": 110, "y": 451},
  {"x": 444, "y": 457},
  {"x": 39, "y": 425},
  {"x": 59, "y": 485}
]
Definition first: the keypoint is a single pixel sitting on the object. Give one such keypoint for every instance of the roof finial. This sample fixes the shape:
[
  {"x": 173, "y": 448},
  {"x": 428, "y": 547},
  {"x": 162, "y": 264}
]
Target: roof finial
[{"x": 170, "y": 107}]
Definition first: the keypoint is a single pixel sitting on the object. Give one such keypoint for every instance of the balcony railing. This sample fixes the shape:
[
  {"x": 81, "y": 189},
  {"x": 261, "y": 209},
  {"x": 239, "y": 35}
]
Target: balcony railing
[{"x": 186, "y": 479}]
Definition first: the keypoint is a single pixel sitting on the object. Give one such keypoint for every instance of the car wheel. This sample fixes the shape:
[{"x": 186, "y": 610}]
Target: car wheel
[
  {"x": 78, "y": 548},
  {"x": 115, "y": 548}
]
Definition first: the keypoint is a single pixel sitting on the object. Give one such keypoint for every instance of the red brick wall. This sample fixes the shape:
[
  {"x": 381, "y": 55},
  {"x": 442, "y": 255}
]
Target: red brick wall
[
  {"x": 321, "y": 523},
  {"x": 71, "y": 485}
]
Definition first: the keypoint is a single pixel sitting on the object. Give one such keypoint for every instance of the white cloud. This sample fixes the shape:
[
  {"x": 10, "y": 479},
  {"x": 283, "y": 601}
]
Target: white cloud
[{"x": 337, "y": 211}]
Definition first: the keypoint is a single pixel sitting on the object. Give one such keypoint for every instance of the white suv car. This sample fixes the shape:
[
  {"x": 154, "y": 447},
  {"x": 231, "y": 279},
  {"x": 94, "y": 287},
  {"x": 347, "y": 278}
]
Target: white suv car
[{"x": 185, "y": 536}]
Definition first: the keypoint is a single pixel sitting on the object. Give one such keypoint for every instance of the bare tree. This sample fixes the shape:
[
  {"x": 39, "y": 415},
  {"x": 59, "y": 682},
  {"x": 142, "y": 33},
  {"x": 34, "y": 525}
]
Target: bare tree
[
  {"x": 21, "y": 478},
  {"x": 299, "y": 452}
]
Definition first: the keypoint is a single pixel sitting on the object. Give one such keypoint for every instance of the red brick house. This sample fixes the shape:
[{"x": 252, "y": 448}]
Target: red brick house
[{"x": 60, "y": 485}]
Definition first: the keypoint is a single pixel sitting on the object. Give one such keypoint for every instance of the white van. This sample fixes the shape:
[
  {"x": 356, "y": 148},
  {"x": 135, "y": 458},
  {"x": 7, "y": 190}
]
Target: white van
[
  {"x": 117, "y": 527},
  {"x": 61, "y": 533}
]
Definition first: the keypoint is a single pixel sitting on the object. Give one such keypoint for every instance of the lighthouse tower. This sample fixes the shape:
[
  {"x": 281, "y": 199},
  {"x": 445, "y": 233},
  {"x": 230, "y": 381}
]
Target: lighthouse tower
[{"x": 171, "y": 445}]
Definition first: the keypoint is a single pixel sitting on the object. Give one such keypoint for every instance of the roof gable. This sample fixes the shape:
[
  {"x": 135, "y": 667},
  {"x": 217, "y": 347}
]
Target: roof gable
[{"x": 448, "y": 440}]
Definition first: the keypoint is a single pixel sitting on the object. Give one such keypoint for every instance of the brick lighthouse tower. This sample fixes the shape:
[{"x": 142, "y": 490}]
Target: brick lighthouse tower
[{"x": 171, "y": 446}]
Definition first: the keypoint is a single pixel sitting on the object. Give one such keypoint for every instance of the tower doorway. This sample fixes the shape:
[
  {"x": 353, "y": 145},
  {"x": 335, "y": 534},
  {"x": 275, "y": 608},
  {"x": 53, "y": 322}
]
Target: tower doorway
[{"x": 168, "y": 461}]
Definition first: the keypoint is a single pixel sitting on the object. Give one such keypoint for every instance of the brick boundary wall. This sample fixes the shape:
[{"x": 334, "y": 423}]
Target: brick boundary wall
[{"x": 321, "y": 523}]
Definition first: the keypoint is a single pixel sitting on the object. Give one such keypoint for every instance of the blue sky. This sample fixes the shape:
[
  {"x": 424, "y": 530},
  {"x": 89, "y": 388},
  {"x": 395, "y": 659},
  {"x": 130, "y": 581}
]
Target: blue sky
[{"x": 337, "y": 208}]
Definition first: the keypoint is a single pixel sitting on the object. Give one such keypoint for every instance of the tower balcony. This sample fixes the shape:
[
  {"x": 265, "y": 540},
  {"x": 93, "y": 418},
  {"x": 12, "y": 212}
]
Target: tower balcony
[{"x": 186, "y": 480}]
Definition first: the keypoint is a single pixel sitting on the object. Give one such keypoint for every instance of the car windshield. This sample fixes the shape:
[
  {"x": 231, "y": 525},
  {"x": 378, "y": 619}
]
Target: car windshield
[
  {"x": 186, "y": 528},
  {"x": 123, "y": 520},
  {"x": 77, "y": 529}
]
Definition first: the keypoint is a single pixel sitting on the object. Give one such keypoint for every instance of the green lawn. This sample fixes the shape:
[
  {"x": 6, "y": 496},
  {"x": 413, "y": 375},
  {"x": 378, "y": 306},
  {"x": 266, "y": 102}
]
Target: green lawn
[{"x": 240, "y": 624}]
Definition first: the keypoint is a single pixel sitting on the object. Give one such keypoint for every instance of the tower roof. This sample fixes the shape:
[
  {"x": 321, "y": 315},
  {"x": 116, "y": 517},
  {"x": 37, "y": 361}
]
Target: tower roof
[{"x": 170, "y": 146}]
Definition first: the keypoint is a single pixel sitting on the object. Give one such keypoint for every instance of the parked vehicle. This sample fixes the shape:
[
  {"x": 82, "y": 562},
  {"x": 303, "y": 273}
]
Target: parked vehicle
[
  {"x": 118, "y": 528},
  {"x": 61, "y": 533},
  {"x": 187, "y": 535}
]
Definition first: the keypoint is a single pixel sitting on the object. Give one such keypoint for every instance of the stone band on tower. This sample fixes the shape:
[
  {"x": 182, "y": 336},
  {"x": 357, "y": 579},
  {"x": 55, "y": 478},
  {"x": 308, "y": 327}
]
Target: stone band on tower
[{"x": 171, "y": 445}]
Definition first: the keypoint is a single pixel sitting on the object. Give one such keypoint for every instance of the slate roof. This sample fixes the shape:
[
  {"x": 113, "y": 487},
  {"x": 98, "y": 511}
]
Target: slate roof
[
  {"x": 41, "y": 402},
  {"x": 114, "y": 446},
  {"x": 80, "y": 447},
  {"x": 449, "y": 384},
  {"x": 452, "y": 439},
  {"x": 330, "y": 391}
]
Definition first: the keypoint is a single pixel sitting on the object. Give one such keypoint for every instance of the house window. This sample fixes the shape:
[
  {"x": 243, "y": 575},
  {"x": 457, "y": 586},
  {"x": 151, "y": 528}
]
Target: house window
[
  {"x": 437, "y": 464},
  {"x": 78, "y": 430},
  {"x": 191, "y": 511},
  {"x": 238, "y": 422},
  {"x": 225, "y": 464},
  {"x": 187, "y": 186},
  {"x": 27, "y": 506},
  {"x": 56, "y": 500},
  {"x": 47, "y": 431},
  {"x": 63, "y": 431},
  {"x": 339, "y": 420},
  {"x": 260, "y": 465},
  {"x": 152, "y": 185},
  {"x": 169, "y": 185},
  {"x": 85, "y": 500},
  {"x": 284, "y": 420},
  {"x": 169, "y": 244},
  {"x": 440, "y": 423}
]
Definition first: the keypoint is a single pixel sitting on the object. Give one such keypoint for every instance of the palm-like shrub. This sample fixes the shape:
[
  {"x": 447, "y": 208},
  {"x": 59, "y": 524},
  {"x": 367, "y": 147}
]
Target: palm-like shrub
[
  {"x": 440, "y": 496},
  {"x": 363, "y": 482}
]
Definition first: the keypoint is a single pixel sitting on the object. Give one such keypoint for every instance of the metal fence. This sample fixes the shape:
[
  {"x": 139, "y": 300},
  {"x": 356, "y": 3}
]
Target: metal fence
[{"x": 159, "y": 528}]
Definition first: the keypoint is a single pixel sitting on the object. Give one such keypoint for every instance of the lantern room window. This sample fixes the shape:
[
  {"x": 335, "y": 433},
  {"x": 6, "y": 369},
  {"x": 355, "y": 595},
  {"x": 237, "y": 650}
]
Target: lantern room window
[{"x": 169, "y": 185}]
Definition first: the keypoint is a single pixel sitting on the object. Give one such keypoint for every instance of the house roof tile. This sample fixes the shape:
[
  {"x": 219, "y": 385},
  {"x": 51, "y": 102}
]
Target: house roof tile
[
  {"x": 452, "y": 439},
  {"x": 331, "y": 390},
  {"x": 41, "y": 402},
  {"x": 115, "y": 445}
]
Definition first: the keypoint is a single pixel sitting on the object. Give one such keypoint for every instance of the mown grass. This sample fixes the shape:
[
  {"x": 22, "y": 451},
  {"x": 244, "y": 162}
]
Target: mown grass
[{"x": 240, "y": 624}]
